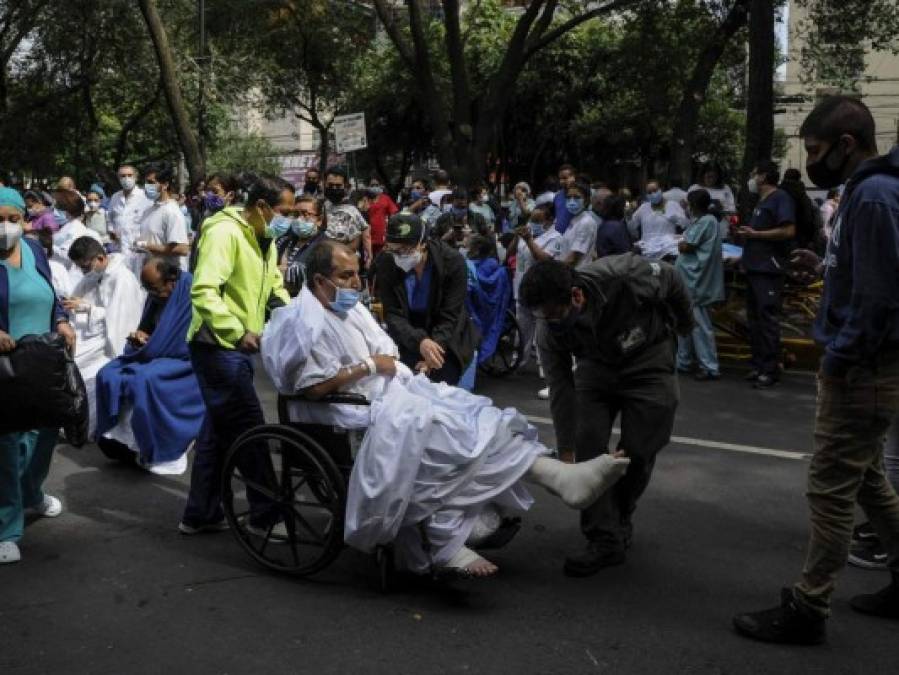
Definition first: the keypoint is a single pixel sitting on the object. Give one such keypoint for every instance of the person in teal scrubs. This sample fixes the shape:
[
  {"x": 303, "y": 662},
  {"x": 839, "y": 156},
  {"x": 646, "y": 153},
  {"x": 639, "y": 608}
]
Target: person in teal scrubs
[
  {"x": 28, "y": 306},
  {"x": 701, "y": 268}
]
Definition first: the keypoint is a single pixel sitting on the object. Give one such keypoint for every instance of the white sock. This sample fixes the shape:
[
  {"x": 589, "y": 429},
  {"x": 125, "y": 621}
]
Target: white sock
[{"x": 578, "y": 485}]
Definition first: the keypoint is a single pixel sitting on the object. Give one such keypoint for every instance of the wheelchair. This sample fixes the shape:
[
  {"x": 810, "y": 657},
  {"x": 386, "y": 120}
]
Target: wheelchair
[
  {"x": 284, "y": 491},
  {"x": 509, "y": 350}
]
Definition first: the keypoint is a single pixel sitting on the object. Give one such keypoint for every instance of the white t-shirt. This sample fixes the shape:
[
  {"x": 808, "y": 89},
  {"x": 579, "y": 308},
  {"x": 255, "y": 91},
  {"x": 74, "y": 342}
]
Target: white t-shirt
[
  {"x": 163, "y": 223},
  {"x": 437, "y": 195},
  {"x": 580, "y": 237},
  {"x": 550, "y": 242}
]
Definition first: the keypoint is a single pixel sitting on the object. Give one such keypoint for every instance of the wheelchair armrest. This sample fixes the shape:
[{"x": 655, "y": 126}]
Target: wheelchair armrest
[{"x": 335, "y": 398}]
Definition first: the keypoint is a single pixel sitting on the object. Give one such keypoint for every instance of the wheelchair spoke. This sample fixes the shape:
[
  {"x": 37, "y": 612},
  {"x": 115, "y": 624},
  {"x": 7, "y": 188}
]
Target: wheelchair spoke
[
  {"x": 256, "y": 487},
  {"x": 318, "y": 538}
]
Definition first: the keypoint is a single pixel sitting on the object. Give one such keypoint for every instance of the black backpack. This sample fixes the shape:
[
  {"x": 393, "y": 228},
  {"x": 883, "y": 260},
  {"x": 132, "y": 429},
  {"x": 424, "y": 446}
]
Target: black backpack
[{"x": 808, "y": 216}]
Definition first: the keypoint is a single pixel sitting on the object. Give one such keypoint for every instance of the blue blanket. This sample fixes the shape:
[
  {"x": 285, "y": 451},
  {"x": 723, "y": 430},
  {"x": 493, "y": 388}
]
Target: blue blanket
[
  {"x": 159, "y": 383},
  {"x": 487, "y": 302}
]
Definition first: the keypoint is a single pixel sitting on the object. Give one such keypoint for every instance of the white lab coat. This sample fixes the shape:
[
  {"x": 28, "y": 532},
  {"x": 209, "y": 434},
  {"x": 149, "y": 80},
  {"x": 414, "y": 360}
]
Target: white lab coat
[
  {"x": 432, "y": 455},
  {"x": 111, "y": 310}
]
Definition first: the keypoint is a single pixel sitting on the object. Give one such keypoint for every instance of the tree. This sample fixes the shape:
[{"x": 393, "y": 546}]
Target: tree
[
  {"x": 17, "y": 19},
  {"x": 464, "y": 120},
  {"x": 680, "y": 168},
  {"x": 187, "y": 137},
  {"x": 233, "y": 153},
  {"x": 760, "y": 91}
]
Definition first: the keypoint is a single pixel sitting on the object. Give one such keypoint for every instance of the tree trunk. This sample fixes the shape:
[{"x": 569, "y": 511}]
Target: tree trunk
[
  {"x": 680, "y": 168},
  {"x": 324, "y": 148},
  {"x": 760, "y": 94},
  {"x": 187, "y": 138}
]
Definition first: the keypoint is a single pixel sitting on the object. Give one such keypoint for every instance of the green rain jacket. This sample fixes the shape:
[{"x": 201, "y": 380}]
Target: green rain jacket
[{"x": 234, "y": 282}]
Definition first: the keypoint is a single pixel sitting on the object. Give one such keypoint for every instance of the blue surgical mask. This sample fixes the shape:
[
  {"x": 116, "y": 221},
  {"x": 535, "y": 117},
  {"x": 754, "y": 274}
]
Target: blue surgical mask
[
  {"x": 152, "y": 191},
  {"x": 416, "y": 195},
  {"x": 303, "y": 228},
  {"x": 60, "y": 217},
  {"x": 344, "y": 300},
  {"x": 278, "y": 226},
  {"x": 537, "y": 229},
  {"x": 655, "y": 198},
  {"x": 574, "y": 205}
]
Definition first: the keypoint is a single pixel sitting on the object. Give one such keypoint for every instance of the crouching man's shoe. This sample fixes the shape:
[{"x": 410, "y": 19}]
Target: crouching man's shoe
[
  {"x": 592, "y": 559},
  {"x": 884, "y": 603},
  {"x": 791, "y": 623}
]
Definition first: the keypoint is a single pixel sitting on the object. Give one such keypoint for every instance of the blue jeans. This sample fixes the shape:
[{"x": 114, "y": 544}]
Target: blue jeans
[
  {"x": 700, "y": 343},
  {"x": 24, "y": 464},
  {"x": 232, "y": 407}
]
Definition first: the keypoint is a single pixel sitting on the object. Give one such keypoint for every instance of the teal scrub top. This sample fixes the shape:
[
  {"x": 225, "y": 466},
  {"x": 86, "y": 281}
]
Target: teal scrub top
[
  {"x": 30, "y": 297},
  {"x": 702, "y": 269}
]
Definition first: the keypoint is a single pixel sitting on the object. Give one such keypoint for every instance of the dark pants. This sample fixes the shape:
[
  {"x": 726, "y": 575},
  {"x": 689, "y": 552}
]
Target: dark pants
[
  {"x": 763, "y": 301},
  {"x": 645, "y": 393},
  {"x": 853, "y": 414},
  {"x": 232, "y": 407}
]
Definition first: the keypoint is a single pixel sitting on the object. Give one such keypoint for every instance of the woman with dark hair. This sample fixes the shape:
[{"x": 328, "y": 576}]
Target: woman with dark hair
[
  {"x": 711, "y": 179},
  {"x": 611, "y": 236},
  {"x": 295, "y": 247},
  {"x": 701, "y": 268},
  {"x": 236, "y": 280}
]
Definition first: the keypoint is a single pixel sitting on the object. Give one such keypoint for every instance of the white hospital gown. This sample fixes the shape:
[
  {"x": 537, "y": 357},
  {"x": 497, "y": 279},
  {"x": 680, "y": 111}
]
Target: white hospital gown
[{"x": 433, "y": 457}]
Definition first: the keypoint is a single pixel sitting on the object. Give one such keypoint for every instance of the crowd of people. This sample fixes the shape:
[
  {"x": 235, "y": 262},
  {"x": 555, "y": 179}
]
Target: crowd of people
[{"x": 165, "y": 300}]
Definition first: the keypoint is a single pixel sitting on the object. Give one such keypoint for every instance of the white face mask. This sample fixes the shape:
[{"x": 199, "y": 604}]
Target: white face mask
[
  {"x": 409, "y": 262},
  {"x": 92, "y": 205},
  {"x": 10, "y": 233},
  {"x": 752, "y": 185},
  {"x": 127, "y": 182}
]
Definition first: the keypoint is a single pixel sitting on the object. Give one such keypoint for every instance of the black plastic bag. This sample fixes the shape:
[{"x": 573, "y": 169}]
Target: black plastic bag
[{"x": 41, "y": 388}]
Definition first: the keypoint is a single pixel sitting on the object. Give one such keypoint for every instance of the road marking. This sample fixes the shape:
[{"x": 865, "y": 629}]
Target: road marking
[{"x": 703, "y": 443}]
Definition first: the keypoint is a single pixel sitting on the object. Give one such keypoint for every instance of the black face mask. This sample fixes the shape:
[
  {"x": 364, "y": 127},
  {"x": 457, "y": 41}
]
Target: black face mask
[
  {"x": 310, "y": 188},
  {"x": 823, "y": 174},
  {"x": 564, "y": 325},
  {"x": 335, "y": 195}
]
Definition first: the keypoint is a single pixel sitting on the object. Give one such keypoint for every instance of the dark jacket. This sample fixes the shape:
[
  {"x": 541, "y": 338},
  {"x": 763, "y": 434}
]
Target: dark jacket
[
  {"x": 43, "y": 267},
  {"x": 859, "y": 313},
  {"x": 448, "y": 322},
  {"x": 634, "y": 308}
]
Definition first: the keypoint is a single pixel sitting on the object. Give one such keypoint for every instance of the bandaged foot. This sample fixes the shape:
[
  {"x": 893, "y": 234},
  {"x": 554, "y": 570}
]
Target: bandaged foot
[
  {"x": 468, "y": 563},
  {"x": 581, "y": 484}
]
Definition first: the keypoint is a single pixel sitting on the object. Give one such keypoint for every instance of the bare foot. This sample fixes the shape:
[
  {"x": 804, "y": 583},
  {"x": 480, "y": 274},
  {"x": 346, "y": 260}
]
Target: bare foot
[
  {"x": 470, "y": 563},
  {"x": 482, "y": 568}
]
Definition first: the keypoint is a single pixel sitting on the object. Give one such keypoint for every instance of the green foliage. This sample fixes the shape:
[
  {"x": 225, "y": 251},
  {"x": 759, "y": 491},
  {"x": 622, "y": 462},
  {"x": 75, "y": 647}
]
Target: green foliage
[{"x": 233, "y": 153}]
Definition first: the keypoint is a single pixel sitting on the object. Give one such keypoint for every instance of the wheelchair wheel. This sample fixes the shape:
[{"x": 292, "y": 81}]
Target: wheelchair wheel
[
  {"x": 284, "y": 499},
  {"x": 509, "y": 350}
]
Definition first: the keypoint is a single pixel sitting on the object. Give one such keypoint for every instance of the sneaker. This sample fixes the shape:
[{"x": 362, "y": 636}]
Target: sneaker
[
  {"x": 864, "y": 532},
  {"x": 206, "y": 528},
  {"x": 752, "y": 375},
  {"x": 884, "y": 603},
  {"x": 543, "y": 394},
  {"x": 706, "y": 376},
  {"x": 279, "y": 533},
  {"x": 868, "y": 555},
  {"x": 765, "y": 382},
  {"x": 592, "y": 560},
  {"x": 9, "y": 552},
  {"x": 49, "y": 508},
  {"x": 790, "y": 623}
]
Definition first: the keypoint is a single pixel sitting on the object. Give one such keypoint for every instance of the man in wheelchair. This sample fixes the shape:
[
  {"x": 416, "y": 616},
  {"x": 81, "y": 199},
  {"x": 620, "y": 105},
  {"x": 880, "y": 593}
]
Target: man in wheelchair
[{"x": 436, "y": 463}]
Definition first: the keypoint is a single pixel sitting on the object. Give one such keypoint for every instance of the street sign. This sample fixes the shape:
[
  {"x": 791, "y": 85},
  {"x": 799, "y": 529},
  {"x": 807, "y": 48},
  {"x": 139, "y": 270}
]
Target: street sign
[{"x": 349, "y": 132}]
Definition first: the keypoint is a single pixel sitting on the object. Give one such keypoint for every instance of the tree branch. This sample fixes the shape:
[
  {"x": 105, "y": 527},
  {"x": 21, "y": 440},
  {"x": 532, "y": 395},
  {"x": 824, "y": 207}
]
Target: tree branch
[
  {"x": 458, "y": 70},
  {"x": 540, "y": 42},
  {"x": 393, "y": 32}
]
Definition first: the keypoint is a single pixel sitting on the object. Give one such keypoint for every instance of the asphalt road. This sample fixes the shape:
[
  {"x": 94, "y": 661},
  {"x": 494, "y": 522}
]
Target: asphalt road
[{"x": 111, "y": 587}]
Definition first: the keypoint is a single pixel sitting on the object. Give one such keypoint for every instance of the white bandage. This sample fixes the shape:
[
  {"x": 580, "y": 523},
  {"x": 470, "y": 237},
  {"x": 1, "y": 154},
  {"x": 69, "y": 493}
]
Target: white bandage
[{"x": 370, "y": 364}]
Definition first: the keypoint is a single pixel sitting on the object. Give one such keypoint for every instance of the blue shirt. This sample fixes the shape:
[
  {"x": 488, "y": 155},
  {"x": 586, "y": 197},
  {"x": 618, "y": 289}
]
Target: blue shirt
[
  {"x": 612, "y": 238},
  {"x": 563, "y": 218},
  {"x": 418, "y": 291},
  {"x": 859, "y": 313},
  {"x": 31, "y": 298},
  {"x": 761, "y": 255}
]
